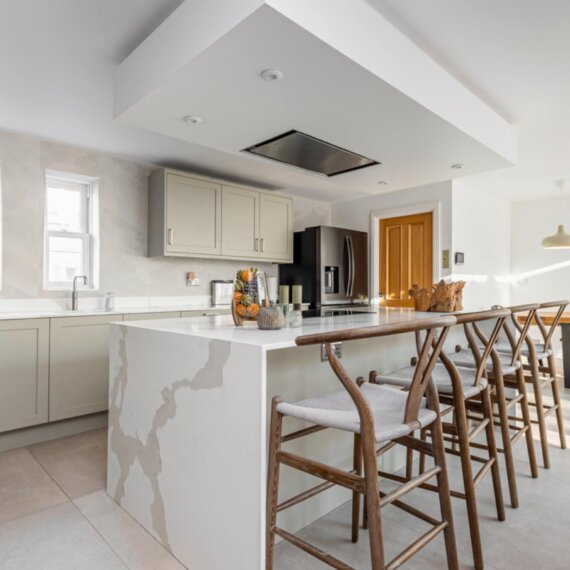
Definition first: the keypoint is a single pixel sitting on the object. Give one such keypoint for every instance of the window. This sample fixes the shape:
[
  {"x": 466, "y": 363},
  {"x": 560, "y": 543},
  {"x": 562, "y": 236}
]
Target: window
[{"x": 69, "y": 225}]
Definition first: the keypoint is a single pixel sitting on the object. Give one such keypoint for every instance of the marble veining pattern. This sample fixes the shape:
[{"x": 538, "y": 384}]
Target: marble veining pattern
[{"x": 129, "y": 449}]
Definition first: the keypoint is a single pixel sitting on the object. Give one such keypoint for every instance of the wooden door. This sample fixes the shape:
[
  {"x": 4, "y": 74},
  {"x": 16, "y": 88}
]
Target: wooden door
[
  {"x": 240, "y": 222},
  {"x": 405, "y": 257},
  {"x": 275, "y": 228},
  {"x": 193, "y": 215}
]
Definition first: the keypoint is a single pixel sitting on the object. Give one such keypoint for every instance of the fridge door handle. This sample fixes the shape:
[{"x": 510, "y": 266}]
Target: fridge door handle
[
  {"x": 353, "y": 266},
  {"x": 349, "y": 259}
]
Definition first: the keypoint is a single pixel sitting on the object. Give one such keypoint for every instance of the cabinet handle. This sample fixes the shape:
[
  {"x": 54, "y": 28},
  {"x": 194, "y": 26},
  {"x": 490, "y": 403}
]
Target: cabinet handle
[
  {"x": 170, "y": 236},
  {"x": 261, "y": 245},
  {"x": 256, "y": 246}
]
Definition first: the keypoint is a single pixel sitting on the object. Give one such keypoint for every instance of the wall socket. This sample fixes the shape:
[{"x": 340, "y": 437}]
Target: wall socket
[
  {"x": 192, "y": 280},
  {"x": 337, "y": 349}
]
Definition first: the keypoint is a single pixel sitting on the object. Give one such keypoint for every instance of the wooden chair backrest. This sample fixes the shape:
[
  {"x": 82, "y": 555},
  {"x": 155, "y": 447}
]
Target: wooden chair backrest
[
  {"x": 472, "y": 330},
  {"x": 429, "y": 353},
  {"x": 546, "y": 332}
]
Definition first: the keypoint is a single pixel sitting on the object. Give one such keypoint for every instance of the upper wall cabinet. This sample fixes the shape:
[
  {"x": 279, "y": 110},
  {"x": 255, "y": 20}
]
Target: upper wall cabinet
[{"x": 194, "y": 217}]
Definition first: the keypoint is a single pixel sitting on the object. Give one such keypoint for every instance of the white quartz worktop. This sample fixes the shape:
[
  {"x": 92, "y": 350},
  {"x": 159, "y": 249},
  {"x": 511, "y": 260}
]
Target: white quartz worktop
[
  {"x": 44, "y": 314},
  {"x": 222, "y": 327}
]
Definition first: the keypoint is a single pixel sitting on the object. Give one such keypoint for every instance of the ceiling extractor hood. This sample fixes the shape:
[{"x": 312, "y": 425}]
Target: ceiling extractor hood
[{"x": 307, "y": 152}]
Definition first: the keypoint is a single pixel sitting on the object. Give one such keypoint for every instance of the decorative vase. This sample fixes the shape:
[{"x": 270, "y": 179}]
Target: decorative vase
[
  {"x": 250, "y": 293},
  {"x": 271, "y": 318}
]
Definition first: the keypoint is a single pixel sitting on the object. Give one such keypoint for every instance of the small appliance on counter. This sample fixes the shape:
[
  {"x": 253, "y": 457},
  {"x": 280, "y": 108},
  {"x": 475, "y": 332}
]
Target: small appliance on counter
[
  {"x": 222, "y": 293},
  {"x": 331, "y": 264}
]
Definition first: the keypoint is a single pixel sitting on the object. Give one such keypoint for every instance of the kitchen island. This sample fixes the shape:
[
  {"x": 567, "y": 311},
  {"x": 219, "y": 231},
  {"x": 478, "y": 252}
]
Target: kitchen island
[{"x": 188, "y": 427}]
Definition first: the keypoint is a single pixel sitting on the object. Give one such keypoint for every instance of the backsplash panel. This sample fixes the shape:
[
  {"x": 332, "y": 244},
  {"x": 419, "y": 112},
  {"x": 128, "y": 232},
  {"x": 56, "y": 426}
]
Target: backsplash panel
[{"x": 123, "y": 187}]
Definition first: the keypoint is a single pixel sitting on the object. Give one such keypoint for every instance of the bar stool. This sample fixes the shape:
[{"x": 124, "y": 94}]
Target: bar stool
[
  {"x": 464, "y": 390},
  {"x": 505, "y": 371},
  {"x": 539, "y": 375},
  {"x": 376, "y": 415}
]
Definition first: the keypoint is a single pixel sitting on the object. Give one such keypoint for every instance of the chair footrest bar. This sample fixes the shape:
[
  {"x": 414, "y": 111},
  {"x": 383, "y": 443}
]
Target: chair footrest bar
[
  {"x": 304, "y": 495},
  {"x": 476, "y": 431},
  {"x": 326, "y": 472},
  {"x": 458, "y": 454},
  {"x": 518, "y": 435},
  {"x": 409, "y": 486},
  {"x": 312, "y": 550},
  {"x": 412, "y": 511},
  {"x": 425, "y": 486},
  {"x": 483, "y": 471},
  {"x": 301, "y": 433},
  {"x": 415, "y": 547}
]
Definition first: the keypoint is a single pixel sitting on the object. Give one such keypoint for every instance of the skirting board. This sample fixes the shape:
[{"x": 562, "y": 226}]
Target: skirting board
[{"x": 55, "y": 430}]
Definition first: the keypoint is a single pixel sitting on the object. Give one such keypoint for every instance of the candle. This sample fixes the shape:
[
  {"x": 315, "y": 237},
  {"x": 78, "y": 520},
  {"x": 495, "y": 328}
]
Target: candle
[
  {"x": 297, "y": 294},
  {"x": 284, "y": 294},
  {"x": 272, "y": 289}
]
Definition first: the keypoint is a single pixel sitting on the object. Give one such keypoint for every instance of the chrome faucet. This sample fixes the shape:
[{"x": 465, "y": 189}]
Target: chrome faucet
[{"x": 75, "y": 293}]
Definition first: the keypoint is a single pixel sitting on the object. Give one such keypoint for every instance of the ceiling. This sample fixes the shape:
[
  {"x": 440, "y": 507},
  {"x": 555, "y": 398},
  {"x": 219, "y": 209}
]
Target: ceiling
[
  {"x": 514, "y": 54},
  {"x": 58, "y": 61}
]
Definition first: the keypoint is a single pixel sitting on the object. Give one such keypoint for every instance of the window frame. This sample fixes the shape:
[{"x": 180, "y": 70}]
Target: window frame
[{"x": 88, "y": 236}]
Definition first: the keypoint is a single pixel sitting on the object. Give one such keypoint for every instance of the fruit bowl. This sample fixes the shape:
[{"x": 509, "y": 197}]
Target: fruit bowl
[{"x": 249, "y": 294}]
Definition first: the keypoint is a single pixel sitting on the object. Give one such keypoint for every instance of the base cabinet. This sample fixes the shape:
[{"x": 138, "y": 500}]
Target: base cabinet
[
  {"x": 79, "y": 365},
  {"x": 24, "y": 357}
]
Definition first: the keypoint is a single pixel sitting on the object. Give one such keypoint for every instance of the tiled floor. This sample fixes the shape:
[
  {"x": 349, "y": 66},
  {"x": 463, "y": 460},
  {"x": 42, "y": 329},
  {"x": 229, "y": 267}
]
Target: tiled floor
[{"x": 55, "y": 514}]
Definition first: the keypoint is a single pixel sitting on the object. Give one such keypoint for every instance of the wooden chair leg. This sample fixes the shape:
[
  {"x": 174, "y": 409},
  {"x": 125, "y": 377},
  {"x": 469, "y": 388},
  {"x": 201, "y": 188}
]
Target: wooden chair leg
[
  {"x": 357, "y": 466},
  {"x": 467, "y": 472},
  {"x": 272, "y": 482},
  {"x": 444, "y": 495},
  {"x": 372, "y": 499},
  {"x": 409, "y": 462},
  {"x": 506, "y": 438},
  {"x": 492, "y": 447},
  {"x": 423, "y": 437},
  {"x": 521, "y": 385},
  {"x": 557, "y": 402},
  {"x": 535, "y": 379}
]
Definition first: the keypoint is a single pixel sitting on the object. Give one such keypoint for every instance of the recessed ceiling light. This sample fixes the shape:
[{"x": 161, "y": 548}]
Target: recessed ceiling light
[
  {"x": 457, "y": 166},
  {"x": 384, "y": 182},
  {"x": 193, "y": 119},
  {"x": 271, "y": 74}
]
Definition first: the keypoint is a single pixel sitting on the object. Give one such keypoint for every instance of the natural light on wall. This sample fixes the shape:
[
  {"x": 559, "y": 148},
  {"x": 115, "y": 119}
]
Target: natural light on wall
[{"x": 70, "y": 243}]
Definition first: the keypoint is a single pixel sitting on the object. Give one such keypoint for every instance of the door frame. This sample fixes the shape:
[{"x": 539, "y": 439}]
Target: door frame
[{"x": 377, "y": 215}]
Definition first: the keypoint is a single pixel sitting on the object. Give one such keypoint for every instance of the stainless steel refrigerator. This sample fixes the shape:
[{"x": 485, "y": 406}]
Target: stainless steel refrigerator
[{"x": 331, "y": 264}]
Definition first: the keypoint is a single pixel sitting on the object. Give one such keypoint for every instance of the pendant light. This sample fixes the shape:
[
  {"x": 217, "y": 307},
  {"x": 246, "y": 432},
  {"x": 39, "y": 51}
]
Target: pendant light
[{"x": 559, "y": 240}]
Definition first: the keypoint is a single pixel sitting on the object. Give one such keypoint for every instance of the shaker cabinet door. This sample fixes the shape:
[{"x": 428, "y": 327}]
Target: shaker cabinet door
[
  {"x": 275, "y": 228},
  {"x": 79, "y": 365},
  {"x": 240, "y": 222},
  {"x": 193, "y": 215},
  {"x": 24, "y": 357}
]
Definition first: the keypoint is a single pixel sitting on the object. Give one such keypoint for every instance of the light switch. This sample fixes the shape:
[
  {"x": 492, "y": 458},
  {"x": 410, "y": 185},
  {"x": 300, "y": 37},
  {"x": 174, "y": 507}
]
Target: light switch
[{"x": 445, "y": 259}]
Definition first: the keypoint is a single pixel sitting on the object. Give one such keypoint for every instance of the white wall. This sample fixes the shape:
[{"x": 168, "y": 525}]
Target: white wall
[
  {"x": 539, "y": 274},
  {"x": 123, "y": 193},
  {"x": 481, "y": 226},
  {"x": 356, "y": 215}
]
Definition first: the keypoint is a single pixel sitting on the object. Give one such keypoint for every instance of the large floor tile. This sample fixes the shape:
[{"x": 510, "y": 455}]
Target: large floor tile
[
  {"x": 24, "y": 486},
  {"x": 77, "y": 463},
  {"x": 58, "y": 538},
  {"x": 138, "y": 549}
]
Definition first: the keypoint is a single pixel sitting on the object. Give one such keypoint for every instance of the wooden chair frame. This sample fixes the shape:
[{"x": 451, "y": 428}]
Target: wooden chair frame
[
  {"x": 458, "y": 432},
  {"x": 363, "y": 479},
  {"x": 505, "y": 419},
  {"x": 540, "y": 375}
]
